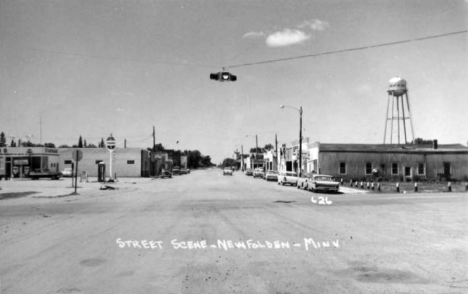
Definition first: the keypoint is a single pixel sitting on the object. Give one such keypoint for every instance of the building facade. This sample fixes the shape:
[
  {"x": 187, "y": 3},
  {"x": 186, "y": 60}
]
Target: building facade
[
  {"x": 126, "y": 162},
  {"x": 391, "y": 162},
  {"x": 17, "y": 162}
]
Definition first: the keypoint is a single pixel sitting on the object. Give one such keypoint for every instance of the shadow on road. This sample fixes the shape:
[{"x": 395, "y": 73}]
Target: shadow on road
[{"x": 4, "y": 196}]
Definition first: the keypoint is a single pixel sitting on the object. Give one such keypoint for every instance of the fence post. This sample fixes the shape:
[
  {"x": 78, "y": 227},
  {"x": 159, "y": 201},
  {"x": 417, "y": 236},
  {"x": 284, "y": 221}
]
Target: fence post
[
  {"x": 449, "y": 187},
  {"x": 415, "y": 187},
  {"x": 398, "y": 187}
]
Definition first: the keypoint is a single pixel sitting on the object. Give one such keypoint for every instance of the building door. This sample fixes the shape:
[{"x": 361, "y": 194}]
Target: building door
[
  {"x": 407, "y": 171},
  {"x": 447, "y": 168}
]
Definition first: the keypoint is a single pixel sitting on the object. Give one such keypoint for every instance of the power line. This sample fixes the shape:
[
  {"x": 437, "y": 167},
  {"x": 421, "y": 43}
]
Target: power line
[
  {"x": 349, "y": 50},
  {"x": 111, "y": 58}
]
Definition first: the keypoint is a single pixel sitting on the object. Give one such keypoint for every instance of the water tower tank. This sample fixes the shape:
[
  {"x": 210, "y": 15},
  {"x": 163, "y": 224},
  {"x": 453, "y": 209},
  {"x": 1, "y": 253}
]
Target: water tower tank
[{"x": 397, "y": 86}]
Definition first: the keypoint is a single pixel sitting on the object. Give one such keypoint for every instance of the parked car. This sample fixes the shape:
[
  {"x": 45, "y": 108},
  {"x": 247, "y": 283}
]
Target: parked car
[
  {"x": 289, "y": 178},
  {"x": 227, "y": 171},
  {"x": 184, "y": 171},
  {"x": 166, "y": 174},
  {"x": 271, "y": 175},
  {"x": 36, "y": 174},
  {"x": 323, "y": 183},
  {"x": 258, "y": 173},
  {"x": 249, "y": 172},
  {"x": 67, "y": 172},
  {"x": 176, "y": 171},
  {"x": 304, "y": 181}
]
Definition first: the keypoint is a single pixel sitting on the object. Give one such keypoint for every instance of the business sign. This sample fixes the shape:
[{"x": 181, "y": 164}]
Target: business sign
[
  {"x": 110, "y": 143},
  {"x": 20, "y": 161}
]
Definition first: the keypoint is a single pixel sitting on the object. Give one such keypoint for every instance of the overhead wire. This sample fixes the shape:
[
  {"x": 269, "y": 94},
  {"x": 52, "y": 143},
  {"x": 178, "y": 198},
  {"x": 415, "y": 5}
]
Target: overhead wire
[
  {"x": 111, "y": 58},
  {"x": 347, "y": 50}
]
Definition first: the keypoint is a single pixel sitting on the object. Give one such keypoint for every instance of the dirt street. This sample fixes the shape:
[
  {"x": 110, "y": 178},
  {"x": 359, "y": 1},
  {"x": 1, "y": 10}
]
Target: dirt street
[{"x": 209, "y": 233}]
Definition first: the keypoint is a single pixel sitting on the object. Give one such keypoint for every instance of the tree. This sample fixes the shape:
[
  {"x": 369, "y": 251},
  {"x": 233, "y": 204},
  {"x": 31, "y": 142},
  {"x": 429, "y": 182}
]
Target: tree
[
  {"x": 158, "y": 147},
  {"x": 80, "y": 142},
  {"x": 229, "y": 162},
  {"x": 206, "y": 161},
  {"x": 13, "y": 143},
  {"x": 91, "y": 145},
  {"x": 85, "y": 145},
  {"x": 2, "y": 140},
  {"x": 193, "y": 159},
  {"x": 255, "y": 150},
  {"x": 101, "y": 145},
  {"x": 49, "y": 145},
  {"x": 64, "y": 146},
  {"x": 268, "y": 147}
]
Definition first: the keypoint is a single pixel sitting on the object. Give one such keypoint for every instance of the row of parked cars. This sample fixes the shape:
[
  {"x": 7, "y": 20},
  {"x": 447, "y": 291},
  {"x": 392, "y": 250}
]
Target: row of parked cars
[{"x": 310, "y": 181}]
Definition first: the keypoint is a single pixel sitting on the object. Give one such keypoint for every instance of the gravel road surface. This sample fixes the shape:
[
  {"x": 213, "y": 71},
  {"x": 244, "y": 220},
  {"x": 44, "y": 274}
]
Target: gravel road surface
[{"x": 209, "y": 233}]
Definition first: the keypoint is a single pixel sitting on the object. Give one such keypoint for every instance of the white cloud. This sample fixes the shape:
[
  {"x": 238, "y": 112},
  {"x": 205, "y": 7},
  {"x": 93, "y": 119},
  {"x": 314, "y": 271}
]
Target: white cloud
[
  {"x": 315, "y": 24},
  {"x": 253, "y": 35},
  {"x": 286, "y": 37}
]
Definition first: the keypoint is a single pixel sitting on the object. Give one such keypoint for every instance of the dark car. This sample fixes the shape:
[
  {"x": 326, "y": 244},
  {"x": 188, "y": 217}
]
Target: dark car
[
  {"x": 36, "y": 174},
  {"x": 166, "y": 174},
  {"x": 176, "y": 171}
]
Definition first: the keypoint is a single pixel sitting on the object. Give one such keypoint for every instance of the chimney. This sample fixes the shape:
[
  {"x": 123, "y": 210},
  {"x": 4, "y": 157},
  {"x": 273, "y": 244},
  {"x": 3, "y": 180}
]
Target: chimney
[{"x": 434, "y": 144}]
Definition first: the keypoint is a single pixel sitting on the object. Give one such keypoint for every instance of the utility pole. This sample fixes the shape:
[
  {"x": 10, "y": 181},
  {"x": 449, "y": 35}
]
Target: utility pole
[
  {"x": 276, "y": 151},
  {"x": 300, "y": 142},
  {"x": 40, "y": 124},
  {"x": 256, "y": 150},
  {"x": 242, "y": 157},
  {"x": 154, "y": 140}
]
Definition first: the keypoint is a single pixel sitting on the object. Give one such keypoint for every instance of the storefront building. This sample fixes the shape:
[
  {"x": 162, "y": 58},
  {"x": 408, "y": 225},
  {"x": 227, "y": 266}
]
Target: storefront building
[{"x": 17, "y": 162}]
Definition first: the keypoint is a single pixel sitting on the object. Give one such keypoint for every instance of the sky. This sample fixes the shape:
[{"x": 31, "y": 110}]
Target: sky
[{"x": 93, "y": 68}]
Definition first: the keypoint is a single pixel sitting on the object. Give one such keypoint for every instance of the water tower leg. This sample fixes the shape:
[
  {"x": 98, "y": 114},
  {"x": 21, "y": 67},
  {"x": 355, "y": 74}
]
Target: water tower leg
[
  {"x": 404, "y": 118},
  {"x": 398, "y": 118},
  {"x": 386, "y": 119},
  {"x": 410, "y": 116},
  {"x": 391, "y": 129}
]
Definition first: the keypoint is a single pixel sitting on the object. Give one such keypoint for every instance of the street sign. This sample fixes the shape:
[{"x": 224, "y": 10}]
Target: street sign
[
  {"x": 110, "y": 143},
  {"x": 77, "y": 155}
]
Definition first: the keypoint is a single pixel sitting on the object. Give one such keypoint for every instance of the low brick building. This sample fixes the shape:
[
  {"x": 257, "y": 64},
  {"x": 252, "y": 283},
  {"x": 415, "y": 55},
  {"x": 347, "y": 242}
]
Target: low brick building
[{"x": 393, "y": 162}]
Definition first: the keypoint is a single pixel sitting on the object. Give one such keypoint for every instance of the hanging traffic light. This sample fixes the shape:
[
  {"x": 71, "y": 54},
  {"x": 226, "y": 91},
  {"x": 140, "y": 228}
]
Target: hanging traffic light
[{"x": 223, "y": 77}]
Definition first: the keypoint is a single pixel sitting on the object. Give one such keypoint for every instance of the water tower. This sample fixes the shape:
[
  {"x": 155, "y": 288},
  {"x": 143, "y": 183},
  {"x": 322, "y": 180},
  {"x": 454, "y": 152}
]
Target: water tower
[{"x": 397, "y": 92}]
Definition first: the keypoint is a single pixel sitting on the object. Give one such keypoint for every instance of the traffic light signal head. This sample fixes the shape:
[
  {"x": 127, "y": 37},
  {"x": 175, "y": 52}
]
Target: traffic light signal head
[{"x": 223, "y": 77}]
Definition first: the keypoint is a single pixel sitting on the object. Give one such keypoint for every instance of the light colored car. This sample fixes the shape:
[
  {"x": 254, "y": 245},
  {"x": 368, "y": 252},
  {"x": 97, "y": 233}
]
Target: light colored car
[
  {"x": 258, "y": 173},
  {"x": 227, "y": 171},
  {"x": 323, "y": 183},
  {"x": 288, "y": 177},
  {"x": 271, "y": 175},
  {"x": 304, "y": 181},
  {"x": 67, "y": 172}
]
